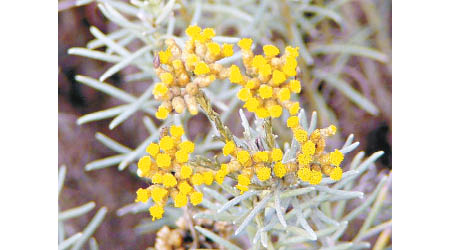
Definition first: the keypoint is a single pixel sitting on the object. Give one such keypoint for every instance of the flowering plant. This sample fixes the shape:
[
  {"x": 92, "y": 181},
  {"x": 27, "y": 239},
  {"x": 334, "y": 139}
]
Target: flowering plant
[{"x": 280, "y": 184}]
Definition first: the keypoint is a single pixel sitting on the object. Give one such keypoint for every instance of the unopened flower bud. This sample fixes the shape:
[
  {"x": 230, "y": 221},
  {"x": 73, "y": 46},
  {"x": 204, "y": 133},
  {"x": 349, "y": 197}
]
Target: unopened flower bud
[
  {"x": 191, "y": 104},
  {"x": 178, "y": 104},
  {"x": 192, "y": 88}
]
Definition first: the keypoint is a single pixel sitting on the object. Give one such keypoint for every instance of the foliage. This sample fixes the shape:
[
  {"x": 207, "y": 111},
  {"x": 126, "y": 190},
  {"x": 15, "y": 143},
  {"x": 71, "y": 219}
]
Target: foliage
[{"x": 283, "y": 203}]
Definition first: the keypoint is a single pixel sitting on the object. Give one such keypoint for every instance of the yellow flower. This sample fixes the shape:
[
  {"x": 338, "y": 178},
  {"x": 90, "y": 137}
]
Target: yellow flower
[
  {"x": 208, "y": 178},
  {"x": 242, "y": 188},
  {"x": 158, "y": 194},
  {"x": 243, "y": 180},
  {"x": 336, "y": 157},
  {"x": 169, "y": 180},
  {"x": 284, "y": 94},
  {"x": 292, "y": 122},
  {"x": 278, "y": 77},
  {"x": 144, "y": 164},
  {"x": 261, "y": 156},
  {"x": 316, "y": 177},
  {"x": 336, "y": 173},
  {"x": 270, "y": 50},
  {"x": 245, "y": 43},
  {"x": 196, "y": 198},
  {"x": 157, "y": 178},
  {"x": 295, "y": 86},
  {"x": 187, "y": 146},
  {"x": 333, "y": 129},
  {"x": 163, "y": 160},
  {"x": 304, "y": 159},
  {"x": 227, "y": 50},
  {"x": 181, "y": 156},
  {"x": 265, "y": 70},
  {"x": 180, "y": 200},
  {"x": 265, "y": 91},
  {"x": 244, "y": 94},
  {"x": 193, "y": 31},
  {"x": 208, "y": 33},
  {"x": 263, "y": 173},
  {"x": 251, "y": 84},
  {"x": 201, "y": 68},
  {"x": 235, "y": 74},
  {"x": 294, "y": 108},
  {"x": 153, "y": 149},
  {"x": 162, "y": 113},
  {"x": 176, "y": 131},
  {"x": 184, "y": 187},
  {"x": 300, "y": 135},
  {"x": 197, "y": 179},
  {"x": 276, "y": 154},
  {"x": 243, "y": 156},
  {"x": 220, "y": 175},
  {"x": 262, "y": 112},
  {"x": 279, "y": 169},
  {"x": 167, "y": 78},
  {"x": 289, "y": 51},
  {"x": 224, "y": 168},
  {"x": 213, "y": 48},
  {"x": 290, "y": 67},
  {"x": 142, "y": 195},
  {"x": 229, "y": 148},
  {"x": 192, "y": 60},
  {"x": 185, "y": 172},
  {"x": 252, "y": 104},
  {"x": 165, "y": 56},
  {"x": 156, "y": 211},
  {"x": 166, "y": 143},
  {"x": 309, "y": 148},
  {"x": 258, "y": 61},
  {"x": 275, "y": 111},
  {"x": 160, "y": 89},
  {"x": 304, "y": 173}
]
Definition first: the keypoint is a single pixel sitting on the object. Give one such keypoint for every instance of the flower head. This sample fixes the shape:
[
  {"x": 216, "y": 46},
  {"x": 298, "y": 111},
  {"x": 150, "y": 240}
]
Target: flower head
[
  {"x": 184, "y": 71},
  {"x": 267, "y": 88},
  {"x": 156, "y": 211},
  {"x": 142, "y": 195},
  {"x": 196, "y": 198},
  {"x": 263, "y": 173},
  {"x": 167, "y": 167}
]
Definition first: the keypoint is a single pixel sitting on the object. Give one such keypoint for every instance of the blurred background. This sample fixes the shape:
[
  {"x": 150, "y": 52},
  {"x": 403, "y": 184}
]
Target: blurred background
[{"x": 113, "y": 189}]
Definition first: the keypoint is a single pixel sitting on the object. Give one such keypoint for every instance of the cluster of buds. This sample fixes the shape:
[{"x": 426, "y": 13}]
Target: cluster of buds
[
  {"x": 267, "y": 86},
  {"x": 171, "y": 176},
  {"x": 169, "y": 239},
  {"x": 180, "y": 237},
  {"x": 313, "y": 160},
  {"x": 260, "y": 164},
  {"x": 183, "y": 72}
]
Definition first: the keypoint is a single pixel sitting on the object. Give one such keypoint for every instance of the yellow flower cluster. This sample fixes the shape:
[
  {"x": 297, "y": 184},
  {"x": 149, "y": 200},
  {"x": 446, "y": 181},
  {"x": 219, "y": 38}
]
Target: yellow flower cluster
[
  {"x": 263, "y": 164},
  {"x": 166, "y": 166},
  {"x": 183, "y": 72},
  {"x": 268, "y": 87},
  {"x": 312, "y": 160}
]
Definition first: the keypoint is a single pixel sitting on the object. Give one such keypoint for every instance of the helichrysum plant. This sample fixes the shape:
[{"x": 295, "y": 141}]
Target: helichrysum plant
[
  {"x": 280, "y": 185},
  {"x": 279, "y": 193}
]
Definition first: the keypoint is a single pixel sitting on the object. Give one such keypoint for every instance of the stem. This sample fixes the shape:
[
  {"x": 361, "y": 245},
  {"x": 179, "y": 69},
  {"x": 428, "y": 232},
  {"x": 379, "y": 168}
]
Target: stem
[
  {"x": 212, "y": 115},
  {"x": 188, "y": 218},
  {"x": 270, "y": 139}
]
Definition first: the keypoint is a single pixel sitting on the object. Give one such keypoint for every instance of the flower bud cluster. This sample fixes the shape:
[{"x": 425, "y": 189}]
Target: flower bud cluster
[
  {"x": 171, "y": 176},
  {"x": 184, "y": 71},
  {"x": 312, "y": 160},
  {"x": 267, "y": 84},
  {"x": 264, "y": 165}
]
